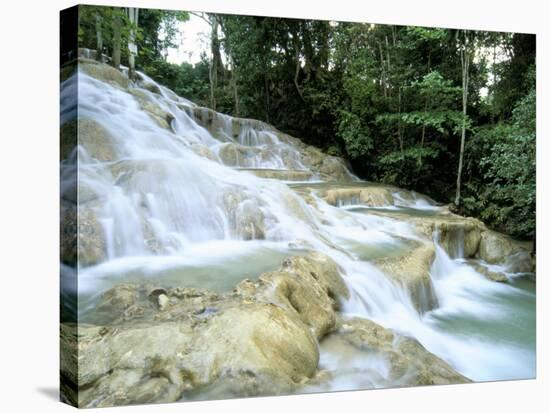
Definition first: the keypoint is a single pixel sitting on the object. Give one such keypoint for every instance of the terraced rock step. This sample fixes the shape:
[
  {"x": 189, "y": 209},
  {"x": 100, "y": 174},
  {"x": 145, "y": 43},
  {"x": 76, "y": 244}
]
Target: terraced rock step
[{"x": 281, "y": 174}]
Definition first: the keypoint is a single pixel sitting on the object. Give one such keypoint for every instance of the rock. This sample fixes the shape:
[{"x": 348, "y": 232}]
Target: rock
[
  {"x": 282, "y": 174},
  {"x": 91, "y": 238},
  {"x": 103, "y": 72},
  {"x": 249, "y": 221},
  {"x": 310, "y": 286},
  {"x": 245, "y": 216},
  {"x": 97, "y": 141},
  {"x": 270, "y": 349},
  {"x": 233, "y": 154},
  {"x": 410, "y": 363},
  {"x": 160, "y": 116},
  {"x": 487, "y": 272},
  {"x": 204, "y": 152},
  {"x": 458, "y": 236},
  {"x": 158, "y": 344},
  {"x": 333, "y": 169},
  {"x": 496, "y": 248},
  {"x": 373, "y": 196},
  {"x": 163, "y": 301},
  {"x": 412, "y": 271}
]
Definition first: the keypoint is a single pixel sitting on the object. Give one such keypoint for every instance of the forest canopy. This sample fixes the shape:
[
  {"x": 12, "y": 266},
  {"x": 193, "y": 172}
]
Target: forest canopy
[{"x": 446, "y": 112}]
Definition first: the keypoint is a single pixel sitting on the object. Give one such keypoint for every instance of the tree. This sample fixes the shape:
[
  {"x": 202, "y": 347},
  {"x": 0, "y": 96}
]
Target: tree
[
  {"x": 132, "y": 47},
  {"x": 465, "y": 56}
]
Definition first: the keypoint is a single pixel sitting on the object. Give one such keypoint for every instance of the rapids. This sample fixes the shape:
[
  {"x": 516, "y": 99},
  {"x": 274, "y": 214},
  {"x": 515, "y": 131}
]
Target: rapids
[{"x": 185, "y": 196}]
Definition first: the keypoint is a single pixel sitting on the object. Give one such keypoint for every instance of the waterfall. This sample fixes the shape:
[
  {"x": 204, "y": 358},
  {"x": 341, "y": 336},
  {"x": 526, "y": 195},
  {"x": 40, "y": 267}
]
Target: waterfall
[{"x": 161, "y": 185}]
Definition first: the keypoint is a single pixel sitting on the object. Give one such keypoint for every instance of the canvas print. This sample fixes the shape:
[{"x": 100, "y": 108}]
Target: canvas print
[{"x": 258, "y": 206}]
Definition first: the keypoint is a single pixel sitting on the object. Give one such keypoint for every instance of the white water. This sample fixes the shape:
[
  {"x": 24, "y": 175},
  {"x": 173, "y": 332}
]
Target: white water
[{"x": 204, "y": 214}]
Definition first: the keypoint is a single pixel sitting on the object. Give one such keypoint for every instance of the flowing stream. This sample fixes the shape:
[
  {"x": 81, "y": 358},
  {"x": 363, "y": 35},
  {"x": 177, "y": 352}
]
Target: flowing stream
[{"x": 182, "y": 206}]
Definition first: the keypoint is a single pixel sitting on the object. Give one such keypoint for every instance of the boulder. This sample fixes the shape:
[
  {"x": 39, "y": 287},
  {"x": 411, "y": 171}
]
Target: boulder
[
  {"x": 411, "y": 270},
  {"x": 91, "y": 247},
  {"x": 373, "y": 196},
  {"x": 248, "y": 350},
  {"x": 310, "y": 286},
  {"x": 82, "y": 239},
  {"x": 249, "y": 220},
  {"x": 410, "y": 363},
  {"x": 97, "y": 140},
  {"x": 103, "y": 72},
  {"x": 160, "y": 116},
  {"x": 156, "y": 344},
  {"x": 246, "y": 218},
  {"x": 496, "y": 248},
  {"x": 488, "y": 272}
]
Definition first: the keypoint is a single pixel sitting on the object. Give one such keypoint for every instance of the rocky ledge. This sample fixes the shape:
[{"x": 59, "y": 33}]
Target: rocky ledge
[{"x": 143, "y": 343}]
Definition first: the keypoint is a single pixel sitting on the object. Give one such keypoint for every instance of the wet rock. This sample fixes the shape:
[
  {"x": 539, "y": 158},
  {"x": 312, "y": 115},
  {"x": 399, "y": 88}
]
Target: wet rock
[
  {"x": 282, "y": 174},
  {"x": 250, "y": 220},
  {"x": 333, "y": 169},
  {"x": 310, "y": 286},
  {"x": 158, "y": 344},
  {"x": 488, "y": 272},
  {"x": 91, "y": 247},
  {"x": 163, "y": 301},
  {"x": 160, "y": 116},
  {"x": 496, "y": 248},
  {"x": 159, "y": 362},
  {"x": 103, "y": 72},
  {"x": 410, "y": 363},
  {"x": 204, "y": 152},
  {"x": 373, "y": 196},
  {"x": 412, "y": 271},
  {"x": 97, "y": 141},
  {"x": 246, "y": 218}
]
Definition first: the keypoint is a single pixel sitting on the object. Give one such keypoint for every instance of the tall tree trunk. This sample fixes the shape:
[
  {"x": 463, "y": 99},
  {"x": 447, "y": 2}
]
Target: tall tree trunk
[
  {"x": 382, "y": 71},
  {"x": 99, "y": 37},
  {"x": 399, "y": 130},
  {"x": 116, "y": 39},
  {"x": 132, "y": 46},
  {"x": 235, "y": 87},
  {"x": 297, "y": 71},
  {"x": 465, "y": 63},
  {"x": 215, "y": 63},
  {"x": 388, "y": 73}
]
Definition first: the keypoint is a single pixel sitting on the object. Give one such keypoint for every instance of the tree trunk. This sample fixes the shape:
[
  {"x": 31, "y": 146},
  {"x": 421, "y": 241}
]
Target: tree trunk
[
  {"x": 465, "y": 63},
  {"x": 399, "y": 130},
  {"x": 132, "y": 47},
  {"x": 235, "y": 88},
  {"x": 215, "y": 63},
  {"x": 116, "y": 40},
  {"x": 297, "y": 71},
  {"x": 382, "y": 71},
  {"x": 99, "y": 36}
]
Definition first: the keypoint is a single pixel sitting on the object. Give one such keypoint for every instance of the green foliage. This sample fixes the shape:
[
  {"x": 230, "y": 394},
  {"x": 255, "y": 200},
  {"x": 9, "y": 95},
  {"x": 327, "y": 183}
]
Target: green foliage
[
  {"x": 355, "y": 136},
  {"x": 386, "y": 98}
]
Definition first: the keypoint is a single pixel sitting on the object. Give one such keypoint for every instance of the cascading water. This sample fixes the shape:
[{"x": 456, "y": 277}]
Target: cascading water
[{"x": 173, "y": 206}]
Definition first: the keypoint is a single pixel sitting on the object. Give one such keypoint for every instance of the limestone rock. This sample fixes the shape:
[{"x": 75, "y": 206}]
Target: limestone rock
[
  {"x": 103, "y": 72},
  {"x": 412, "y": 271},
  {"x": 410, "y": 363},
  {"x": 373, "y": 196},
  {"x": 496, "y": 248},
  {"x": 155, "y": 344},
  {"x": 158, "y": 362},
  {"x": 97, "y": 141}
]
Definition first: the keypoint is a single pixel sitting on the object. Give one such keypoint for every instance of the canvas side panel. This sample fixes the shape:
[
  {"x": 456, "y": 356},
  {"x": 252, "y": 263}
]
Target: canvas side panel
[{"x": 68, "y": 206}]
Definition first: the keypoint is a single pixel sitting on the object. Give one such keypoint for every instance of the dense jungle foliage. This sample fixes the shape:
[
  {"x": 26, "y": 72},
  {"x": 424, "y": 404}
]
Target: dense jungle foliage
[{"x": 449, "y": 113}]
